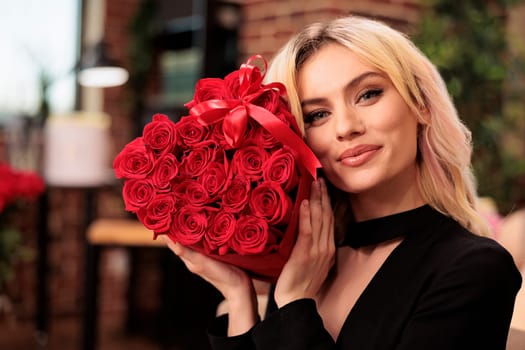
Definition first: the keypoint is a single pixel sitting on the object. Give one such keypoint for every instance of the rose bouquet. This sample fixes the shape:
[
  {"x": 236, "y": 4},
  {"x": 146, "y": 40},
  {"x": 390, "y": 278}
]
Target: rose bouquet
[
  {"x": 227, "y": 179},
  {"x": 16, "y": 186}
]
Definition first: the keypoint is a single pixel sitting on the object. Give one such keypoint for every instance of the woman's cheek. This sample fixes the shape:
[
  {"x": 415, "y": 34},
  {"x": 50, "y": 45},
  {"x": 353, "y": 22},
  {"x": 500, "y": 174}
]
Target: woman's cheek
[{"x": 321, "y": 149}]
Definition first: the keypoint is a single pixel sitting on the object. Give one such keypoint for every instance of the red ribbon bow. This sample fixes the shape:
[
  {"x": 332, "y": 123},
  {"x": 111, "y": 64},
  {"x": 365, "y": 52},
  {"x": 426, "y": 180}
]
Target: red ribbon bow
[{"x": 235, "y": 114}]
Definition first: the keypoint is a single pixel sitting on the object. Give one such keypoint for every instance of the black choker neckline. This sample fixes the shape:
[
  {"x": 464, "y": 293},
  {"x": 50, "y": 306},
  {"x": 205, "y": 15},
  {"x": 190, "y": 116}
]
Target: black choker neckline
[{"x": 386, "y": 228}]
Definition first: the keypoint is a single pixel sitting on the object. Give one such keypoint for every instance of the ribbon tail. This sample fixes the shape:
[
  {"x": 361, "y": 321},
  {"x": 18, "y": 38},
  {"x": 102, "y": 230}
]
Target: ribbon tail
[{"x": 286, "y": 136}]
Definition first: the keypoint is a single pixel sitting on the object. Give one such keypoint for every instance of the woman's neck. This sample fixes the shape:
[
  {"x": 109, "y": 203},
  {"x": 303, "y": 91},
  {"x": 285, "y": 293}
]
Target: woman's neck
[{"x": 390, "y": 199}]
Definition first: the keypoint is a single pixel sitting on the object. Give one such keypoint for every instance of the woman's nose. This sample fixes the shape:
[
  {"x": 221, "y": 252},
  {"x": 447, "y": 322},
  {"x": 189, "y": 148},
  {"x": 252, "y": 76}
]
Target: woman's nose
[{"x": 348, "y": 124}]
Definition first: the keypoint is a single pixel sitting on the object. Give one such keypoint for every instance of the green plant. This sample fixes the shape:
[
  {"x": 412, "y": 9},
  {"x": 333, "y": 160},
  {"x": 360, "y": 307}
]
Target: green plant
[
  {"x": 12, "y": 250},
  {"x": 467, "y": 40}
]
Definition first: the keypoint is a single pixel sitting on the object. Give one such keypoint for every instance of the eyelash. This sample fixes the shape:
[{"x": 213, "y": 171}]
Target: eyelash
[
  {"x": 370, "y": 94},
  {"x": 314, "y": 115},
  {"x": 319, "y": 114}
]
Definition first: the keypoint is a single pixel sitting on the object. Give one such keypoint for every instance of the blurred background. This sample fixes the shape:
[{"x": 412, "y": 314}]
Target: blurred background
[{"x": 75, "y": 272}]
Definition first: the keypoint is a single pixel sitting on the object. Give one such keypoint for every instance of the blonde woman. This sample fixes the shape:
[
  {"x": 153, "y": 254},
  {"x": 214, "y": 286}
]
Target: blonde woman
[{"x": 401, "y": 261}]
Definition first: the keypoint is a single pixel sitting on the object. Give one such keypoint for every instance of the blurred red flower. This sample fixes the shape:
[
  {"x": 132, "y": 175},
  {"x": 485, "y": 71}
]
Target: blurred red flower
[{"x": 17, "y": 184}]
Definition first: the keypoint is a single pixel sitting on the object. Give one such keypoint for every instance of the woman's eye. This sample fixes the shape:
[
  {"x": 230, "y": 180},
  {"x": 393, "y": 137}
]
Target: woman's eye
[
  {"x": 314, "y": 116},
  {"x": 369, "y": 94}
]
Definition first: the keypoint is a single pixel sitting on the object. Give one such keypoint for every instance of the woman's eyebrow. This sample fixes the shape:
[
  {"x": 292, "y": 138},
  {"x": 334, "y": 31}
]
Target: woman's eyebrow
[
  {"x": 351, "y": 84},
  {"x": 357, "y": 80}
]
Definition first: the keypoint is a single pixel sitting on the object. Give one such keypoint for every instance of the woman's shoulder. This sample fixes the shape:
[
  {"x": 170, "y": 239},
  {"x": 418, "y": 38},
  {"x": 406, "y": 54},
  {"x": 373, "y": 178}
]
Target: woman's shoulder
[
  {"x": 459, "y": 241},
  {"x": 457, "y": 249}
]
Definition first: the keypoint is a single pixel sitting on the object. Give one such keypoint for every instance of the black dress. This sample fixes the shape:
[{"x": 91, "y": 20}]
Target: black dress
[{"x": 442, "y": 288}]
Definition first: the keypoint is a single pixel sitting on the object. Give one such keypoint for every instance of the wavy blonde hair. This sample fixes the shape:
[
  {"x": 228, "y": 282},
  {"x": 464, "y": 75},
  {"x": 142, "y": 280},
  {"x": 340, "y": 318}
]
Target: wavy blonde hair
[{"x": 445, "y": 177}]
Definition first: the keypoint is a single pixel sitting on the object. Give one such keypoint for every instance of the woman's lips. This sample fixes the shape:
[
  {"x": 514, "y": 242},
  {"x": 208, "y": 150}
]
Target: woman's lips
[{"x": 358, "y": 155}]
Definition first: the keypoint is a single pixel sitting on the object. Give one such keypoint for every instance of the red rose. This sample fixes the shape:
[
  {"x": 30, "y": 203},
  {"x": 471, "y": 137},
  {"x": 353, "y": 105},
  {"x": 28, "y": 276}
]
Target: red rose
[
  {"x": 236, "y": 194},
  {"x": 221, "y": 229},
  {"x": 160, "y": 134},
  {"x": 195, "y": 162},
  {"x": 214, "y": 178},
  {"x": 179, "y": 189},
  {"x": 217, "y": 135},
  {"x": 249, "y": 162},
  {"x": 284, "y": 114},
  {"x": 251, "y": 236},
  {"x": 190, "y": 131},
  {"x": 259, "y": 136},
  {"x": 189, "y": 225},
  {"x": 157, "y": 215},
  {"x": 269, "y": 100},
  {"x": 207, "y": 89},
  {"x": 281, "y": 168},
  {"x": 15, "y": 184},
  {"x": 195, "y": 194},
  {"x": 166, "y": 168},
  {"x": 133, "y": 162},
  {"x": 269, "y": 201},
  {"x": 137, "y": 193},
  {"x": 28, "y": 185}
]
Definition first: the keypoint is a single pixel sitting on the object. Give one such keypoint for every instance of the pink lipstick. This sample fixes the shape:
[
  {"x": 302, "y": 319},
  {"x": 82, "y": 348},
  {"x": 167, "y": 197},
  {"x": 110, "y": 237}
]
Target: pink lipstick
[{"x": 358, "y": 155}]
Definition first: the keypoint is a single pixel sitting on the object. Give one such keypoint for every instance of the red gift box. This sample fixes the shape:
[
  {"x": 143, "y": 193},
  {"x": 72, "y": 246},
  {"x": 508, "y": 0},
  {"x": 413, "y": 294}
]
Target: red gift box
[{"x": 226, "y": 180}]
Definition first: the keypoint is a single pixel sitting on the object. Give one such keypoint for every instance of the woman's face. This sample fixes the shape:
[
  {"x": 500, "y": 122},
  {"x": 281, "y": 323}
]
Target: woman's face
[{"x": 357, "y": 123}]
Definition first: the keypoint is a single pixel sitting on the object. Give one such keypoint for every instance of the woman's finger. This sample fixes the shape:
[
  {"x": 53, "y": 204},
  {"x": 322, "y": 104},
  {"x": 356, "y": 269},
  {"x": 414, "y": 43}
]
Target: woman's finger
[
  {"x": 316, "y": 210},
  {"x": 327, "y": 215},
  {"x": 196, "y": 262},
  {"x": 304, "y": 237},
  {"x": 188, "y": 256}
]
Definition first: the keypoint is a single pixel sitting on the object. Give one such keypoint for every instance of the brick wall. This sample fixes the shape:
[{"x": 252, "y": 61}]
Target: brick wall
[
  {"x": 119, "y": 14},
  {"x": 267, "y": 24}
]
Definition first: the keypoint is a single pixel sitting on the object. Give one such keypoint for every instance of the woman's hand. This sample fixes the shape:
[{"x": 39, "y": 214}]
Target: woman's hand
[
  {"x": 313, "y": 254},
  {"x": 234, "y": 284}
]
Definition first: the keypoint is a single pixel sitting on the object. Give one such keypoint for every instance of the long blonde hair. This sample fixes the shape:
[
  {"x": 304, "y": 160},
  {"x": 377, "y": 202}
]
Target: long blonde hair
[{"x": 445, "y": 177}]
